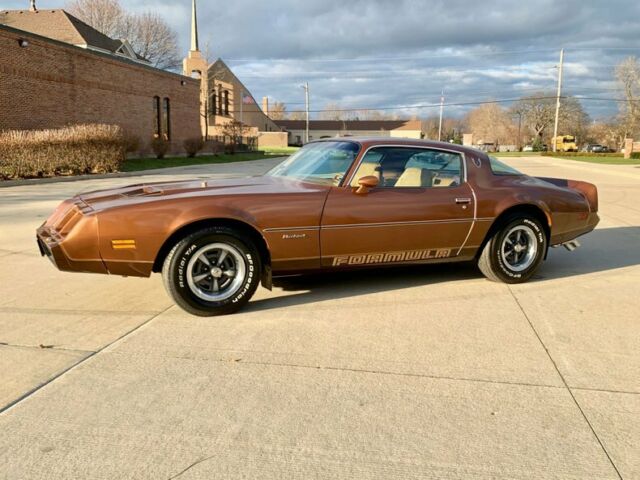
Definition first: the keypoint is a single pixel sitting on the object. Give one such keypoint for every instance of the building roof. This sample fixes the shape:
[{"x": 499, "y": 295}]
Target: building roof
[
  {"x": 351, "y": 125},
  {"x": 64, "y": 27},
  {"x": 219, "y": 70}
]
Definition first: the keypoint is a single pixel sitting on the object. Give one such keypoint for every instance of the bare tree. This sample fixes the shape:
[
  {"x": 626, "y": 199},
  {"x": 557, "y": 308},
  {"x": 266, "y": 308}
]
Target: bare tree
[
  {"x": 538, "y": 114},
  {"x": 610, "y": 133},
  {"x": 491, "y": 123},
  {"x": 148, "y": 33},
  {"x": 277, "y": 111},
  {"x": 151, "y": 37},
  {"x": 452, "y": 128},
  {"x": 374, "y": 115},
  {"x": 332, "y": 111},
  {"x": 628, "y": 76},
  {"x": 106, "y": 16},
  {"x": 296, "y": 115},
  {"x": 236, "y": 131}
]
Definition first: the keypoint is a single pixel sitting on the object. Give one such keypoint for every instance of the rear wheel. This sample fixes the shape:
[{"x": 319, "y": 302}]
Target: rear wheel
[
  {"x": 515, "y": 251},
  {"x": 214, "y": 271}
]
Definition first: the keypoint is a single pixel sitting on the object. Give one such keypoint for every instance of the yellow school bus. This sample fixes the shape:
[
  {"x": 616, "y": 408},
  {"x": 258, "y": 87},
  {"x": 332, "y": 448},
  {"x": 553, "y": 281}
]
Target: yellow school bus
[{"x": 565, "y": 143}]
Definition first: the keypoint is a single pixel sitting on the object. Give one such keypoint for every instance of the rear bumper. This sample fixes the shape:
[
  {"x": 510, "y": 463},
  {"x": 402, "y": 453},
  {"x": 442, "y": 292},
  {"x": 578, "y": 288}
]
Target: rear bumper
[{"x": 592, "y": 221}]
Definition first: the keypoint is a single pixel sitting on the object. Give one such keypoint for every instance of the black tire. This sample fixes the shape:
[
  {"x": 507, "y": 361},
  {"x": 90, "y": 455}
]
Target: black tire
[
  {"x": 188, "y": 257},
  {"x": 498, "y": 267}
]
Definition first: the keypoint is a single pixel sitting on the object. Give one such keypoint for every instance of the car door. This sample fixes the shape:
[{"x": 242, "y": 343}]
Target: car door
[{"x": 422, "y": 209}]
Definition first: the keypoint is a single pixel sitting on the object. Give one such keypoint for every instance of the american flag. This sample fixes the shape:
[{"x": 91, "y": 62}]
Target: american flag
[{"x": 247, "y": 99}]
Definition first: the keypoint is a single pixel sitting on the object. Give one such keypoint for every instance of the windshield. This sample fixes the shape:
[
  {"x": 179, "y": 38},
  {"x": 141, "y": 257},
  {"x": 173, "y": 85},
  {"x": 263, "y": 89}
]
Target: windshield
[
  {"x": 499, "y": 168},
  {"x": 322, "y": 162}
]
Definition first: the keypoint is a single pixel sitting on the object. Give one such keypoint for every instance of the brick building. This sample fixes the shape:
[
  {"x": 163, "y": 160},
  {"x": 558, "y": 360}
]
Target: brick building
[
  {"x": 225, "y": 99},
  {"x": 62, "y": 72}
]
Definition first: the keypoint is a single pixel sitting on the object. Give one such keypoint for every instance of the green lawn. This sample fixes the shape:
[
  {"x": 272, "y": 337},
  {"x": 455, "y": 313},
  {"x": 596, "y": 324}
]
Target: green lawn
[
  {"x": 602, "y": 160},
  {"x": 515, "y": 154},
  {"x": 138, "y": 164},
  {"x": 605, "y": 160},
  {"x": 280, "y": 150}
]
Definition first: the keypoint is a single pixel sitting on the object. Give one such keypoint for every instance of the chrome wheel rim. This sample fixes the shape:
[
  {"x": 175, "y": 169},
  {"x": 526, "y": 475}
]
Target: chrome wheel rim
[
  {"x": 519, "y": 248},
  {"x": 216, "y": 272}
]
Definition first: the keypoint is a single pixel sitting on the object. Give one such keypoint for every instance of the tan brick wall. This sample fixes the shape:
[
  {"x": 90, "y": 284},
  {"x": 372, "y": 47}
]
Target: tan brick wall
[
  {"x": 272, "y": 139},
  {"x": 49, "y": 84}
]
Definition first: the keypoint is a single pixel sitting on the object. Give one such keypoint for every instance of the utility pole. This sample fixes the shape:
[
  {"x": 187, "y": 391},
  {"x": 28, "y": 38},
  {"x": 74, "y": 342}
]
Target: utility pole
[
  {"x": 555, "y": 128},
  {"x": 306, "y": 109},
  {"x": 519, "y": 131},
  {"x": 441, "y": 112}
]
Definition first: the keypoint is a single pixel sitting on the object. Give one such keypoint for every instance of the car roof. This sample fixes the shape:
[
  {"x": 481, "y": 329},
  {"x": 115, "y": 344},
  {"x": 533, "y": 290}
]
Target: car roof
[{"x": 368, "y": 142}]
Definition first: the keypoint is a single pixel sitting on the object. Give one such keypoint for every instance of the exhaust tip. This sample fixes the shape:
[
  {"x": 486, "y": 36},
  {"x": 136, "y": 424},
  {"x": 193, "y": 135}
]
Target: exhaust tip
[{"x": 572, "y": 245}]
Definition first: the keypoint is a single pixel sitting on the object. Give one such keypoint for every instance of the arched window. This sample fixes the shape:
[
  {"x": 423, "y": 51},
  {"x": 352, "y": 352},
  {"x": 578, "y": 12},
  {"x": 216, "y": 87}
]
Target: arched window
[
  {"x": 212, "y": 103},
  {"x": 220, "y": 105},
  {"x": 166, "y": 119},
  {"x": 157, "y": 129},
  {"x": 226, "y": 102}
]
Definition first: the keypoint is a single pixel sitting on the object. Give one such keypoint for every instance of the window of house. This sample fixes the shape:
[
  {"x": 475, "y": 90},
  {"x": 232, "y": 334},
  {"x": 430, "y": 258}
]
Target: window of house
[
  {"x": 157, "y": 129},
  {"x": 411, "y": 167},
  {"x": 226, "y": 102},
  {"x": 166, "y": 119}
]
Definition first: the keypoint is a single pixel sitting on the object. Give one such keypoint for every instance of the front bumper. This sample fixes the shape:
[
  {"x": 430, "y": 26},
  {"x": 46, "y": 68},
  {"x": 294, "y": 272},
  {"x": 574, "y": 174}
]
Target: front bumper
[{"x": 69, "y": 238}]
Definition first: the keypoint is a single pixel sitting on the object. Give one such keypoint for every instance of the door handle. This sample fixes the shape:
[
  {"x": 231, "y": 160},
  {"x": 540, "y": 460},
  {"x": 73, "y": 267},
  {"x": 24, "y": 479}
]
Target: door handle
[{"x": 461, "y": 201}]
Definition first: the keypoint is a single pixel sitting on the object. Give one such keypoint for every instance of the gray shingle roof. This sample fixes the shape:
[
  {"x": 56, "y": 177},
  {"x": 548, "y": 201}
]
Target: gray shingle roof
[{"x": 59, "y": 25}]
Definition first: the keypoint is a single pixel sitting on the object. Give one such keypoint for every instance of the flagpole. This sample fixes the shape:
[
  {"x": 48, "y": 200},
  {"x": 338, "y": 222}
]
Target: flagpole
[{"x": 241, "y": 103}]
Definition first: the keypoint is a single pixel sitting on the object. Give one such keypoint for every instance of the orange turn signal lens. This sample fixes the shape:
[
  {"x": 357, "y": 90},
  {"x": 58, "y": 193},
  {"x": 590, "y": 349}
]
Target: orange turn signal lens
[{"x": 123, "y": 244}]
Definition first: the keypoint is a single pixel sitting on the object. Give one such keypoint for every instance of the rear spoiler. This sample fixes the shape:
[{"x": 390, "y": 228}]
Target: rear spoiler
[{"x": 588, "y": 190}]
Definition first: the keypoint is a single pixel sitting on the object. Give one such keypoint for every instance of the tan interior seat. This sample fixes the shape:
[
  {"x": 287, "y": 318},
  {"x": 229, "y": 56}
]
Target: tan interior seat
[
  {"x": 415, "y": 177},
  {"x": 365, "y": 170}
]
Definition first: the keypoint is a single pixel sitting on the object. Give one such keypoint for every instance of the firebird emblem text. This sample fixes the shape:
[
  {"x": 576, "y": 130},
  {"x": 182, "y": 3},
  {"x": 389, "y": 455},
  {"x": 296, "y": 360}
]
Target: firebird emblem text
[
  {"x": 293, "y": 236},
  {"x": 391, "y": 257}
]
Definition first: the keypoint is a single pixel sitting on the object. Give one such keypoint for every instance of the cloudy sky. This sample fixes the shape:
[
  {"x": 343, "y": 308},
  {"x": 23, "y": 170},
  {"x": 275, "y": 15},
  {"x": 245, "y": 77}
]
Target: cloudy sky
[{"x": 398, "y": 54}]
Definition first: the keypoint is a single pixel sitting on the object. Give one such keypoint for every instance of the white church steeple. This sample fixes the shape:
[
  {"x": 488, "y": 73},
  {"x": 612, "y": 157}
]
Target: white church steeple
[{"x": 194, "y": 27}]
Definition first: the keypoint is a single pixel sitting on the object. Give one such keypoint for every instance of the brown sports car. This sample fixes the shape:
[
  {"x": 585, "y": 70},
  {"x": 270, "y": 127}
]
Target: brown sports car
[{"x": 335, "y": 204}]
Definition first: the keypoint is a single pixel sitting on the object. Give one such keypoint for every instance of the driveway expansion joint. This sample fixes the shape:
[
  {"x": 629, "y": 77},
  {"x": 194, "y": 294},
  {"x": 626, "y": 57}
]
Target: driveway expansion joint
[
  {"x": 44, "y": 346},
  {"x": 575, "y": 400},
  {"x": 37, "y": 388},
  {"x": 376, "y": 372}
]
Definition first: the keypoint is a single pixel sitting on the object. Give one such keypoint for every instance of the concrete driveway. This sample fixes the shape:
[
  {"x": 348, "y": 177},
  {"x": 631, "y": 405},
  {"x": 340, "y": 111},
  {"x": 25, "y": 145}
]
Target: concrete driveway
[{"x": 427, "y": 372}]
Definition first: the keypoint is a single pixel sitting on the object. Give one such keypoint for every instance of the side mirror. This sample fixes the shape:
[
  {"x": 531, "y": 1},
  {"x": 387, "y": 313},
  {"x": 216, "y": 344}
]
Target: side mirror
[{"x": 366, "y": 184}]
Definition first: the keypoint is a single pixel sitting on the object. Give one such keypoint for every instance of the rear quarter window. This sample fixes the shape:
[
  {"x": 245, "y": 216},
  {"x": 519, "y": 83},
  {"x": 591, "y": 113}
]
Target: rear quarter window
[{"x": 499, "y": 168}]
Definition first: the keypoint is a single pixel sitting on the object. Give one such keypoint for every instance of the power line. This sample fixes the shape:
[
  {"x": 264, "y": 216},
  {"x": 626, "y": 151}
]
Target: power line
[
  {"x": 459, "y": 104},
  {"x": 428, "y": 57},
  {"x": 423, "y": 96}
]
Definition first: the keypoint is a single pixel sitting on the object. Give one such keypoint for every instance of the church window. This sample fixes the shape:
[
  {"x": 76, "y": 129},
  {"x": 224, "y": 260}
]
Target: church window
[
  {"x": 156, "y": 117},
  {"x": 226, "y": 102},
  {"x": 166, "y": 119}
]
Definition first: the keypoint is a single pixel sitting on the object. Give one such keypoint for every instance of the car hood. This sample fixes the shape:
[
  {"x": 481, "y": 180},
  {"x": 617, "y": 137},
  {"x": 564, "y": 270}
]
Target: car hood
[{"x": 161, "y": 191}]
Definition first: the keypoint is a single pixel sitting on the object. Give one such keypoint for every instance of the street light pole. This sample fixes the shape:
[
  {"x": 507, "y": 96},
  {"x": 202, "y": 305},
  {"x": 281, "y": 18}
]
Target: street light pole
[
  {"x": 306, "y": 109},
  {"x": 555, "y": 128},
  {"x": 441, "y": 112}
]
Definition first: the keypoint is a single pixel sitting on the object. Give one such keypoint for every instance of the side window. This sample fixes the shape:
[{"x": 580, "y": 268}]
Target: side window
[
  {"x": 166, "y": 119},
  {"x": 409, "y": 167},
  {"x": 157, "y": 124}
]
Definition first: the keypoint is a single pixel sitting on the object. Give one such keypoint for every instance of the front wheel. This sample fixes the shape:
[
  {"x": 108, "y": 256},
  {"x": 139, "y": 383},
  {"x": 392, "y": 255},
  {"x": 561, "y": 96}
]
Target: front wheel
[
  {"x": 214, "y": 271},
  {"x": 515, "y": 251}
]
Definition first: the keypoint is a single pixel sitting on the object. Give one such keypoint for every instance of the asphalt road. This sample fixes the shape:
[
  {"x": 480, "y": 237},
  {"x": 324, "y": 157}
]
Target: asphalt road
[{"x": 426, "y": 372}]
